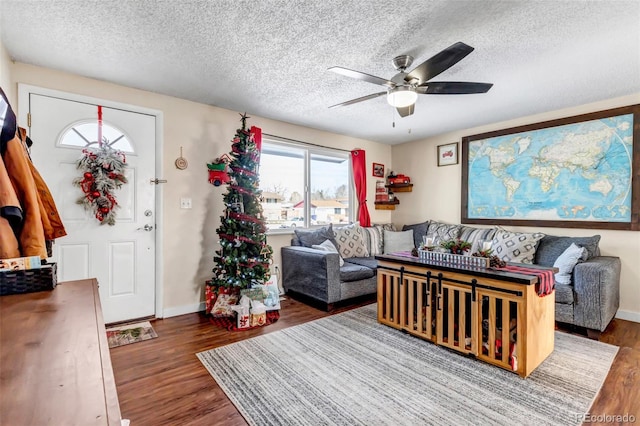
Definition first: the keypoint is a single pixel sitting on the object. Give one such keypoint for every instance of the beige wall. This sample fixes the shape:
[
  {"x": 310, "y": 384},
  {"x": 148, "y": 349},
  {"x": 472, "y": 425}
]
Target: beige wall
[
  {"x": 189, "y": 236},
  {"x": 437, "y": 195},
  {"x": 5, "y": 75}
]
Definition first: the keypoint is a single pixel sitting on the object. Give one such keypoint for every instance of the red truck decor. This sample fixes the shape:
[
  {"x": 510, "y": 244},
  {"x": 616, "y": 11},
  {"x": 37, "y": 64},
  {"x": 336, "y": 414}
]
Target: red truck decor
[{"x": 398, "y": 179}]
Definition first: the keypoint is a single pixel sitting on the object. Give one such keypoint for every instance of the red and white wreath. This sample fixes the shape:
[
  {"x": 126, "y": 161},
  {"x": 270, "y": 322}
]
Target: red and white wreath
[{"x": 103, "y": 173}]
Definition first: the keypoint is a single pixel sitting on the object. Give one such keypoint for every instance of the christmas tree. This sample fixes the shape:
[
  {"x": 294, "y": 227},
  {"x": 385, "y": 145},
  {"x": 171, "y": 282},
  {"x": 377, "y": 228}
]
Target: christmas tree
[{"x": 244, "y": 255}]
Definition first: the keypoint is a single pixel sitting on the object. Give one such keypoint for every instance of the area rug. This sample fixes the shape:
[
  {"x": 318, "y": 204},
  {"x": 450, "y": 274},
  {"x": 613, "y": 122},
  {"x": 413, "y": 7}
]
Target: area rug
[
  {"x": 130, "y": 333},
  {"x": 347, "y": 369}
]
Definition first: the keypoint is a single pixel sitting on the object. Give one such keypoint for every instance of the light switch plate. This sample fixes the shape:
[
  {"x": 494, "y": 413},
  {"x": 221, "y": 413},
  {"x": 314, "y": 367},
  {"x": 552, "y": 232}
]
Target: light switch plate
[{"x": 185, "y": 203}]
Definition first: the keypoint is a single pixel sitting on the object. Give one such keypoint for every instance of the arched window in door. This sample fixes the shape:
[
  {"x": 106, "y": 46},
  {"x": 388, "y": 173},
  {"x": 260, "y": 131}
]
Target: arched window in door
[{"x": 84, "y": 134}]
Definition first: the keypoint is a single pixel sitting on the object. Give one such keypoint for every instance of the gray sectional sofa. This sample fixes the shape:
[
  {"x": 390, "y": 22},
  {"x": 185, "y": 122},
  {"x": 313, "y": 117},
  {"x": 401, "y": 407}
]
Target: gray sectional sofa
[
  {"x": 317, "y": 275},
  {"x": 590, "y": 300}
]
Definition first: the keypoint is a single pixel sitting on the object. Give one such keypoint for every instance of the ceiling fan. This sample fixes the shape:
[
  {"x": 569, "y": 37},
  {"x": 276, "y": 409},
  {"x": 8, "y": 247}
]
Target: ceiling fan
[{"x": 403, "y": 88}]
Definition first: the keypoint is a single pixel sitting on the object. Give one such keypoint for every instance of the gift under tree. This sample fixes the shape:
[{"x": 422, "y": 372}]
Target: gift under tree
[{"x": 244, "y": 255}]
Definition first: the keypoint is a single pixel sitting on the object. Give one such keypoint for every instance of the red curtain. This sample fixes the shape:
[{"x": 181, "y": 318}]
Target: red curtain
[{"x": 360, "y": 178}]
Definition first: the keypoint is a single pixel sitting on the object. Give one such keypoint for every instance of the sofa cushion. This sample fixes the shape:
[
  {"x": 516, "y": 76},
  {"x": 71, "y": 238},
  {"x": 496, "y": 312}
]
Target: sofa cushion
[
  {"x": 551, "y": 247},
  {"x": 308, "y": 238},
  {"x": 328, "y": 246},
  {"x": 440, "y": 232},
  {"x": 564, "y": 293},
  {"x": 373, "y": 239},
  {"x": 386, "y": 226},
  {"x": 419, "y": 231},
  {"x": 351, "y": 241},
  {"x": 352, "y": 272},
  {"x": 369, "y": 262},
  {"x": 398, "y": 241},
  {"x": 476, "y": 236},
  {"x": 519, "y": 247},
  {"x": 567, "y": 261}
]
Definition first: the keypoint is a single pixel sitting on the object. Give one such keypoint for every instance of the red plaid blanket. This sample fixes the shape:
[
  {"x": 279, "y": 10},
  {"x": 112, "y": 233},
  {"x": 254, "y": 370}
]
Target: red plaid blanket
[{"x": 546, "y": 280}]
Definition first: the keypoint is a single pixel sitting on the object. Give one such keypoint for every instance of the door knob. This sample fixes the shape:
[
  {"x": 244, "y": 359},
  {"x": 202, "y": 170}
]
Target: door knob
[{"x": 147, "y": 227}]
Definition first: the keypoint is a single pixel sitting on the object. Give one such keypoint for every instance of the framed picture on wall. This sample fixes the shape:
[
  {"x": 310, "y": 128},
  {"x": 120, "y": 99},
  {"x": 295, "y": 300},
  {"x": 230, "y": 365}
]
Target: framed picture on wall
[
  {"x": 378, "y": 170},
  {"x": 572, "y": 172},
  {"x": 448, "y": 154}
]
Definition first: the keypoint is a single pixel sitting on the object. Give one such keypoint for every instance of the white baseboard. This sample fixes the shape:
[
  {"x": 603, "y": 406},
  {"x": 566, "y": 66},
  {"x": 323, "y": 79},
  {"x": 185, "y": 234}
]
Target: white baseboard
[
  {"x": 628, "y": 315},
  {"x": 183, "y": 310}
]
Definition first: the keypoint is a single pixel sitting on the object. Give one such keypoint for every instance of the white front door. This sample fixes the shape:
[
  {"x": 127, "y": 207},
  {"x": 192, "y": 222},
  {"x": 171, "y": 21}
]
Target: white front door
[{"x": 121, "y": 257}]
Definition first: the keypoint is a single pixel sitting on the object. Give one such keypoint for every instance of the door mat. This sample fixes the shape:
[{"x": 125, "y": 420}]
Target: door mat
[{"x": 130, "y": 333}]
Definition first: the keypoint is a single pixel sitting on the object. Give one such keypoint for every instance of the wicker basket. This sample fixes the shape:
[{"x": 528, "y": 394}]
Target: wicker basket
[{"x": 28, "y": 280}]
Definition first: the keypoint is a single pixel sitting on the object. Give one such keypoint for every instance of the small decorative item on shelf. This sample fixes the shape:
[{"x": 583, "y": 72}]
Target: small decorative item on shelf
[{"x": 399, "y": 179}]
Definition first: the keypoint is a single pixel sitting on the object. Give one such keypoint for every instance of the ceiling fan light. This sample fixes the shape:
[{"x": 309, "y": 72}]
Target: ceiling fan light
[{"x": 400, "y": 97}]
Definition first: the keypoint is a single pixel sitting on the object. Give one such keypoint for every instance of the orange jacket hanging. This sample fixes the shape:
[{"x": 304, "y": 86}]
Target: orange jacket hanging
[
  {"x": 10, "y": 214},
  {"x": 31, "y": 233},
  {"x": 51, "y": 222}
]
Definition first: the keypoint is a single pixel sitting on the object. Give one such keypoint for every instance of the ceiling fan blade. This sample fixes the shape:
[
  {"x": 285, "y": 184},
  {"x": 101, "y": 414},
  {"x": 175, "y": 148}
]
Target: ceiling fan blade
[
  {"x": 362, "y": 76},
  {"x": 453, "y": 88},
  {"x": 406, "y": 111},
  {"x": 355, "y": 101},
  {"x": 439, "y": 62}
]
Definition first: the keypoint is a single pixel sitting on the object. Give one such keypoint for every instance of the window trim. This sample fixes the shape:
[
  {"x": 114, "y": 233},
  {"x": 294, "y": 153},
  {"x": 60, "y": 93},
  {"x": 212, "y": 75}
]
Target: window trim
[{"x": 309, "y": 150}]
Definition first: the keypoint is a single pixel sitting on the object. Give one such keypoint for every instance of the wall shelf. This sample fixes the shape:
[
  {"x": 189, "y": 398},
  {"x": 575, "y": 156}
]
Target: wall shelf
[
  {"x": 386, "y": 205},
  {"x": 400, "y": 187}
]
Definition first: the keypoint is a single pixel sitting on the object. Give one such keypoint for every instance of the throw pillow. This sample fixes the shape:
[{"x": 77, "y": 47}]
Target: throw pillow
[
  {"x": 373, "y": 239},
  {"x": 567, "y": 261},
  {"x": 516, "y": 247},
  {"x": 476, "y": 236},
  {"x": 351, "y": 241},
  {"x": 386, "y": 226},
  {"x": 419, "y": 231},
  {"x": 398, "y": 241},
  {"x": 440, "y": 232},
  {"x": 317, "y": 236},
  {"x": 552, "y": 246},
  {"x": 328, "y": 246}
]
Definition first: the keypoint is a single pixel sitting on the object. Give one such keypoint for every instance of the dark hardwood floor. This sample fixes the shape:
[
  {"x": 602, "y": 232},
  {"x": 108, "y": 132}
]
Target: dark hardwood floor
[{"x": 161, "y": 382}]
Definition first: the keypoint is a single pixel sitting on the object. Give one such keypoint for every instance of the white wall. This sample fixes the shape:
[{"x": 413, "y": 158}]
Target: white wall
[
  {"x": 204, "y": 132},
  {"x": 437, "y": 195}
]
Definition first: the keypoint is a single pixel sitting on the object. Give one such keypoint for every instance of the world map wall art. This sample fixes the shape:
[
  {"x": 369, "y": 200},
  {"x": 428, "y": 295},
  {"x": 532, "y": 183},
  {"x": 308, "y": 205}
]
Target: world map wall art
[{"x": 580, "y": 172}]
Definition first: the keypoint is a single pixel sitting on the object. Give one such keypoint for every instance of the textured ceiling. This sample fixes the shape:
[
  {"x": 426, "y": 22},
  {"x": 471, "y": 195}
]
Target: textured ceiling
[{"x": 270, "y": 57}]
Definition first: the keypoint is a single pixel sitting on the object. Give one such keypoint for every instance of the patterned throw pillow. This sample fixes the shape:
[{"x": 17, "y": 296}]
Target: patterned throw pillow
[
  {"x": 440, "y": 232},
  {"x": 373, "y": 239},
  {"x": 516, "y": 247},
  {"x": 351, "y": 241},
  {"x": 476, "y": 236}
]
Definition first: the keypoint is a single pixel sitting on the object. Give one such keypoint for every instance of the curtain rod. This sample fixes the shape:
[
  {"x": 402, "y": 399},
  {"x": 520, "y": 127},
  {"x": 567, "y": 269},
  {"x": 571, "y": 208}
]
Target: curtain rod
[{"x": 305, "y": 143}]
